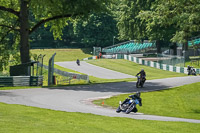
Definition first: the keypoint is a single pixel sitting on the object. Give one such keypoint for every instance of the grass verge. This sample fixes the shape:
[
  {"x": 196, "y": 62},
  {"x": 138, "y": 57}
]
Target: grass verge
[
  {"x": 23, "y": 119},
  {"x": 132, "y": 68},
  {"x": 19, "y": 87},
  {"x": 180, "y": 102},
  {"x": 62, "y": 54}
]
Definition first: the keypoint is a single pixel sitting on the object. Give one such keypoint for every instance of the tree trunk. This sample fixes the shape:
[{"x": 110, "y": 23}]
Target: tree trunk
[
  {"x": 158, "y": 46},
  {"x": 174, "y": 49},
  {"x": 24, "y": 32},
  {"x": 185, "y": 48}
]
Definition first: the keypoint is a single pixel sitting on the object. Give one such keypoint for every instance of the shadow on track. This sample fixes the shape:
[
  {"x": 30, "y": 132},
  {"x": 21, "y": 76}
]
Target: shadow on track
[{"x": 121, "y": 87}]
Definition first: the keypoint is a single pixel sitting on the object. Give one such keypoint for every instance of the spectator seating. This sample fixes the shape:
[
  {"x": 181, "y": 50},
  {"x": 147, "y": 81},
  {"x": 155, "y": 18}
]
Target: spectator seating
[
  {"x": 128, "y": 47},
  {"x": 194, "y": 42}
]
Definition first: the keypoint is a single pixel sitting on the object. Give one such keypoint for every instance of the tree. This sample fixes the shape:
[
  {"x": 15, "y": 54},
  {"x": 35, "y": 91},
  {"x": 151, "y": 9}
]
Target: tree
[
  {"x": 16, "y": 16},
  {"x": 181, "y": 15},
  {"x": 129, "y": 25},
  {"x": 98, "y": 30}
]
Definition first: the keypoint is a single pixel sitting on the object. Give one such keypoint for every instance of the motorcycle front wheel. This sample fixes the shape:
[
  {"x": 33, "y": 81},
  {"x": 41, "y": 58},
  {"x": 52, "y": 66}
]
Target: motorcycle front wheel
[{"x": 129, "y": 109}]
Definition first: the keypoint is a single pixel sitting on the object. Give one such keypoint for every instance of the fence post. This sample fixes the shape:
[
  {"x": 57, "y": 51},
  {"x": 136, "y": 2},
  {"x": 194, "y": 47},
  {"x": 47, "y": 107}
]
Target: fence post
[{"x": 51, "y": 70}]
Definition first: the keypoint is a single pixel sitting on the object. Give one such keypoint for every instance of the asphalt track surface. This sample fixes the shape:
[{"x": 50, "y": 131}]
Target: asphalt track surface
[
  {"x": 93, "y": 70},
  {"x": 78, "y": 98}
]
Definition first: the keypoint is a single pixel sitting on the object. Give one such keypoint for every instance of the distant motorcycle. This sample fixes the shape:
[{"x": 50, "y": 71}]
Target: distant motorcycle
[
  {"x": 78, "y": 62},
  {"x": 192, "y": 71},
  {"x": 129, "y": 105},
  {"x": 140, "y": 82}
]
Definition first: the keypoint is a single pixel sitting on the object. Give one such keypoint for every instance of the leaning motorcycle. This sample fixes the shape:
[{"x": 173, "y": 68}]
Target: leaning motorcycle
[
  {"x": 193, "y": 72},
  {"x": 128, "y": 105},
  {"x": 140, "y": 82}
]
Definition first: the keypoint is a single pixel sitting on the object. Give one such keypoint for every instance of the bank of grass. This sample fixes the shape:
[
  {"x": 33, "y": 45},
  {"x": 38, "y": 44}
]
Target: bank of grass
[
  {"x": 132, "y": 68},
  {"x": 123, "y": 66},
  {"x": 62, "y": 54},
  {"x": 24, "y": 119},
  {"x": 180, "y": 102},
  {"x": 194, "y": 64},
  {"x": 19, "y": 87}
]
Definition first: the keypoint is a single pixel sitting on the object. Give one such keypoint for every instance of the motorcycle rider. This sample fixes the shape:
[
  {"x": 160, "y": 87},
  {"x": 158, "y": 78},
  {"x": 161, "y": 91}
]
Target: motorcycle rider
[
  {"x": 137, "y": 96},
  {"x": 142, "y": 75},
  {"x": 134, "y": 96},
  {"x": 78, "y": 62},
  {"x": 189, "y": 69}
]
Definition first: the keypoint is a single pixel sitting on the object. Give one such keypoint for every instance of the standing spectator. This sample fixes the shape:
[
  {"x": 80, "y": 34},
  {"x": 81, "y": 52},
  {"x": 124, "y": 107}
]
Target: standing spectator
[{"x": 100, "y": 54}]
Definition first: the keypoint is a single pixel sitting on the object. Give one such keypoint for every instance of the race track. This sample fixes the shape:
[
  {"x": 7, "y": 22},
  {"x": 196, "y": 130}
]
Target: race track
[
  {"x": 93, "y": 70},
  {"x": 78, "y": 98}
]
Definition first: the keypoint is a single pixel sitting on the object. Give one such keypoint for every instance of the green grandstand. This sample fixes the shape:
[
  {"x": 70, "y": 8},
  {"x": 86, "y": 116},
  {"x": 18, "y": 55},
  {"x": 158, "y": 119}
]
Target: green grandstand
[
  {"x": 128, "y": 47},
  {"x": 195, "y": 41}
]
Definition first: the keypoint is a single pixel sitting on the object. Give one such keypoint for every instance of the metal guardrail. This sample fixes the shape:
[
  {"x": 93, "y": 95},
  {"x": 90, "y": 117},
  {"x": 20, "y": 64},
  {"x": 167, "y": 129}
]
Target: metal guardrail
[
  {"x": 21, "y": 81},
  {"x": 71, "y": 75}
]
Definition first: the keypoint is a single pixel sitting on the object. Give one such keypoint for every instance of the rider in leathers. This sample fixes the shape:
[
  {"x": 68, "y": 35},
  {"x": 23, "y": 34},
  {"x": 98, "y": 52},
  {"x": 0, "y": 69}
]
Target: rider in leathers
[
  {"x": 135, "y": 96},
  {"x": 142, "y": 75}
]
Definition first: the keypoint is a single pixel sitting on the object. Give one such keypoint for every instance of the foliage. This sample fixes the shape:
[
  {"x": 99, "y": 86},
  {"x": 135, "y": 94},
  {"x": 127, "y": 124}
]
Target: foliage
[
  {"x": 25, "y": 16},
  {"x": 98, "y": 30},
  {"x": 129, "y": 25},
  {"x": 95, "y": 30},
  {"x": 180, "y": 15}
]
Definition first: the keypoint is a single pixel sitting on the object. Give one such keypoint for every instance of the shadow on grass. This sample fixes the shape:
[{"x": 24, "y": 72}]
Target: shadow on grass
[
  {"x": 197, "y": 111},
  {"x": 87, "y": 50}
]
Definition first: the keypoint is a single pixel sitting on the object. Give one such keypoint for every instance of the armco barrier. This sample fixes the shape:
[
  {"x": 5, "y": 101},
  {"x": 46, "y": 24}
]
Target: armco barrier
[
  {"x": 158, "y": 65},
  {"x": 21, "y": 81}
]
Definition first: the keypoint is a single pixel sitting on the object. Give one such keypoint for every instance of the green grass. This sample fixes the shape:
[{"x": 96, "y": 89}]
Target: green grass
[
  {"x": 62, "y": 54},
  {"x": 176, "y": 102},
  {"x": 132, "y": 68},
  {"x": 19, "y": 87},
  {"x": 123, "y": 66},
  {"x": 24, "y": 119},
  {"x": 195, "y": 65}
]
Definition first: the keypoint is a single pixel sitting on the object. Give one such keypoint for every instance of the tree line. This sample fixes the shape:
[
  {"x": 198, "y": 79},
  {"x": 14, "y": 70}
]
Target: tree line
[{"x": 86, "y": 23}]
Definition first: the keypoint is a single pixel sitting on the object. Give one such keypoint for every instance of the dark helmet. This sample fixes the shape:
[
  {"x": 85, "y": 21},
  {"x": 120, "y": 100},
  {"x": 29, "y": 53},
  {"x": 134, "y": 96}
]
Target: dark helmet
[
  {"x": 138, "y": 94},
  {"x": 142, "y": 70}
]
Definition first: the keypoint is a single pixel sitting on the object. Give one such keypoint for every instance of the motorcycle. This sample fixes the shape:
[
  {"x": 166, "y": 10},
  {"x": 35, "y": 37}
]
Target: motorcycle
[
  {"x": 191, "y": 71},
  {"x": 140, "y": 82},
  {"x": 128, "y": 105},
  {"x": 78, "y": 62}
]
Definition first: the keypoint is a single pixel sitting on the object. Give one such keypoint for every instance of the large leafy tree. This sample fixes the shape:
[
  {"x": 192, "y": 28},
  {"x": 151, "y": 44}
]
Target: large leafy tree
[
  {"x": 130, "y": 26},
  {"x": 98, "y": 30},
  {"x": 182, "y": 16},
  {"x": 25, "y": 16}
]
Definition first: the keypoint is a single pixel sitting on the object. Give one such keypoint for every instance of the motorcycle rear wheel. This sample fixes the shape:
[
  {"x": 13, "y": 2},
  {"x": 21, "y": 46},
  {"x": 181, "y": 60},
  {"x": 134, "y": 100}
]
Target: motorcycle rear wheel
[{"x": 137, "y": 84}]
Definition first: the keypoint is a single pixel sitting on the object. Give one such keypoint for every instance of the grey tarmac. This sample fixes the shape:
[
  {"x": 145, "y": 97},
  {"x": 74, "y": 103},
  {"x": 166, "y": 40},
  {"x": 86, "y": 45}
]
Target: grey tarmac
[
  {"x": 78, "y": 98},
  {"x": 94, "y": 70}
]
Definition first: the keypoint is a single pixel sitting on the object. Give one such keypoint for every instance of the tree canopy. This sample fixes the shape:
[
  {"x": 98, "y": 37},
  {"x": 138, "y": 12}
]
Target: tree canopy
[
  {"x": 94, "y": 22},
  {"x": 22, "y": 17}
]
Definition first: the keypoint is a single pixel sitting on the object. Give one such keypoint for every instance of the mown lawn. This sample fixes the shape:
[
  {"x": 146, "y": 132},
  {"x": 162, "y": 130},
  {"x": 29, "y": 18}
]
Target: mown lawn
[
  {"x": 183, "y": 101},
  {"x": 24, "y": 119},
  {"x": 132, "y": 68},
  {"x": 62, "y": 54}
]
